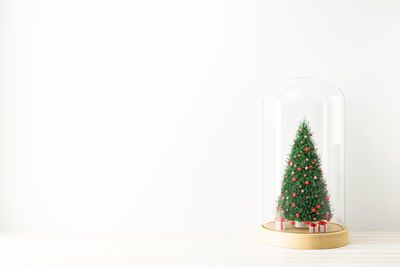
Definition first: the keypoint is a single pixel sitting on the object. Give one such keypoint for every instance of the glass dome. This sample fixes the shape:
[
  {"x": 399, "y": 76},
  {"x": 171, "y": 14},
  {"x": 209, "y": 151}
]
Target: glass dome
[{"x": 303, "y": 135}]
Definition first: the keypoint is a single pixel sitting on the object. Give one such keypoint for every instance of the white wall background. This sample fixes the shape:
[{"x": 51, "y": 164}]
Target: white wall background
[{"x": 143, "y": 116}]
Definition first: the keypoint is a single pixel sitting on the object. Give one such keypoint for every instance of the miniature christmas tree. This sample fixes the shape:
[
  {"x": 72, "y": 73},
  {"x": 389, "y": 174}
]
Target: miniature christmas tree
[{"x": 304, "y": 196}]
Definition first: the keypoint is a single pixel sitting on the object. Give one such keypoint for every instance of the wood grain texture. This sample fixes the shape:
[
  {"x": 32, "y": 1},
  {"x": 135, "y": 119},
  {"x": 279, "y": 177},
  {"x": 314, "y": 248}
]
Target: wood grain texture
[
  {"x": 365, "y": 249},
  {"x": 301, "y": 238}
]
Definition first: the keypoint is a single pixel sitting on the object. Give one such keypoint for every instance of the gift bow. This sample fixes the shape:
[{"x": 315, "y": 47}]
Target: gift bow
[{"x": 313, "y": 225}]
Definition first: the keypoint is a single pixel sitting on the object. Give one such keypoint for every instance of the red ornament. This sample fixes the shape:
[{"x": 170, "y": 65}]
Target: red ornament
[
  {"x": 299, "y": 169},
  {"x": 297, "y": 215},
  {"x": 301, "y": 130},
  {"x": 326, "y": 216},
  {"x": 280, "y": 207},
  {"x": 307, "y": 182},
  {"x": 321, "y": 171},
  {"x": 291, "y": 164},
  {"x": 294, "y": 179},
  {"x": 292, "y": 222},
  {"x": 310, "y": 167},
  {"x": 307, "y": 222},
  {"x": 281, "y": 194},
  {"x": 294, "y": 194},
  {"x": 294, "y": 205},
  {"x": 327, "y": 198},
  {"x": 313, "y": 210},
  {"x": 316, "y": 195},
  {"x": 318, "y": 207},
  {"x": 306, "y": 149}
]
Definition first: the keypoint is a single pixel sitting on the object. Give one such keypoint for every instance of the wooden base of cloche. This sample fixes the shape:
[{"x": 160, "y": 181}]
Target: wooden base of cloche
[{"x": 301, "y": 238}]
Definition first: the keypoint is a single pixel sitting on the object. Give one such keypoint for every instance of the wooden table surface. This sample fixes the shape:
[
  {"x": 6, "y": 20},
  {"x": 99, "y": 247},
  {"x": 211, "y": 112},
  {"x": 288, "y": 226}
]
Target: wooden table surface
[{"x": 365, "y": 249}]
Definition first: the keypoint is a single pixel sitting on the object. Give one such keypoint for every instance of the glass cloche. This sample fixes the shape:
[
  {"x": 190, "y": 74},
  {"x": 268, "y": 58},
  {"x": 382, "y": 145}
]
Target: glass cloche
[{"x": 303, "y": 139}]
